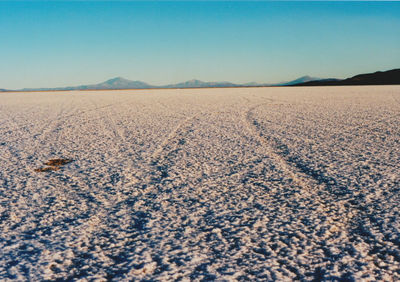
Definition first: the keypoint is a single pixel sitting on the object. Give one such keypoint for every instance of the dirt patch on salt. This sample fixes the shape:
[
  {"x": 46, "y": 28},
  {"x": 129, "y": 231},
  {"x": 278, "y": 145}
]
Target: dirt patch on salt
[{"x": 53, "y": 165}]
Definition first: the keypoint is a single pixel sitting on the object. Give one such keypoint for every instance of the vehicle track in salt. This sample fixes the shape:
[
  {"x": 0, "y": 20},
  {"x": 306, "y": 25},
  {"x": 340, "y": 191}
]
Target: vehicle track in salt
[
  {"x": 118, "y": 214},
  {"x": 354, "y": 221},
  {"x": 254, "y": 129},
  {"x": 218, "y": 195},
  {"x": 86, "y": 224},
  {"x": 169, "y": 140},
  {"x": 312, "y": 182},
  {"x": 60, "y": 120},
  {"x": 112, "y": 210},
  {"x": 302, "y": 175}
]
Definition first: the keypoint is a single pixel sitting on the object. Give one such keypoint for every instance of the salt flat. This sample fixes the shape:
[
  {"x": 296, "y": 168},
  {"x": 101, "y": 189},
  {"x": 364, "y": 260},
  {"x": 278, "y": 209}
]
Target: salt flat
[{"x": 201, "y": 184}]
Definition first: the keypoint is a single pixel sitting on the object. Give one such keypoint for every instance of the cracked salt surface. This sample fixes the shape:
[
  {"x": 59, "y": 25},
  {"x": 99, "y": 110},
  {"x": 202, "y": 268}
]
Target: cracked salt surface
[{"x": 201, "y": 184}]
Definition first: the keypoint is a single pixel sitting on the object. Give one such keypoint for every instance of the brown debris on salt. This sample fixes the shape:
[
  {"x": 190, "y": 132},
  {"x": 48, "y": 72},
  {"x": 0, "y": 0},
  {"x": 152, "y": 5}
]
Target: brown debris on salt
[{"x": 53, "y": 165}]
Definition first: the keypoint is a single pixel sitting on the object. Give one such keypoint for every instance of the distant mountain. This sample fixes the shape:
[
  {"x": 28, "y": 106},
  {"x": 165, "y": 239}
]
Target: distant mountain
[
  {"x": 114, "y": 83},
  {"x": 379, "y": 77},
  {"x": 302, "y": 79},
  {"x": 376, "y": 78},
  {"x": 117, "y": 83},
  {"x": 194, "y": 83},
  {"x": 122, "y": 83}
]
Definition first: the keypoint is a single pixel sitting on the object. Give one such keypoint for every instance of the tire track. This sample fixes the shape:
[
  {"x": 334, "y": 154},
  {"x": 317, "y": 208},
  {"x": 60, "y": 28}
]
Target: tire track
[
  {"x": 253, "y": 127},
  {"x": 156, "y": 156},
  {"x": 116, "y": 133},
  {"x": 302, "y": 175},
  {"x": 130, "y": 219},
  {"x": 344, "y": 209},
  {"x": 109, "y": 206},
  {"x": 308, "y": 183},
  {"x": 61, "y": 119},
  {"x": 100, "y": 204}
]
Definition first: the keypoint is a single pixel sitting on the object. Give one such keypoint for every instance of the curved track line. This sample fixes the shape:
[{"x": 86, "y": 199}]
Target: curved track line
[
  {"x": 350, "y": 223},
  {"x": 297, "y": 177},
  {"x": 109, "y": 121},
  {"x": 155, "y": 157}
]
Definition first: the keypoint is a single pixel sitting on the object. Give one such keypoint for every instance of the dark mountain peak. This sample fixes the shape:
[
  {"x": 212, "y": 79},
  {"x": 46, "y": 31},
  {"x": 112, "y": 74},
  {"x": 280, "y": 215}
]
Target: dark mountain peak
[
  {"x": 377, "y": 78},
  {"x": 387, "y": 77}
]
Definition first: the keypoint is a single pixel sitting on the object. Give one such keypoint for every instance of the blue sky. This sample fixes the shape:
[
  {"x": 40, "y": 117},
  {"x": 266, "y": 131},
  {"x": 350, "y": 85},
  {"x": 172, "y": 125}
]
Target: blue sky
[{"x": 55, "y": 43}]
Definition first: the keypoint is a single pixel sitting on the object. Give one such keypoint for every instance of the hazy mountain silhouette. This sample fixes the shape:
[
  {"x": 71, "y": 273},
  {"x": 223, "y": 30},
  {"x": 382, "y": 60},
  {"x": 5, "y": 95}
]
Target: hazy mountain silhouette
[
  {"x": 118, "y": 83},
  {"x": 123, "y": 83},
  {"x": 302, "y": 79},
  {"x": 194, "y": 83},
  {"x": 114, "y": 83},
  {"x": 376, "y": 78}
]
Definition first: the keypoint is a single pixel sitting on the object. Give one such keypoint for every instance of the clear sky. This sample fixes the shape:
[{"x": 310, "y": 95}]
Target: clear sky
[{"x": 48, "y": 44}]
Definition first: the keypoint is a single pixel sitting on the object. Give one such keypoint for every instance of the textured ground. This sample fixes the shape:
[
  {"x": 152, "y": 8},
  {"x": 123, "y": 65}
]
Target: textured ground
[{"x": 225, "y": 184}]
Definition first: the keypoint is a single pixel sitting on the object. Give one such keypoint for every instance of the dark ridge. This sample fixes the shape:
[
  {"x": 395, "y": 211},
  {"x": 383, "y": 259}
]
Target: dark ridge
[{"x": 389, "y": 77}]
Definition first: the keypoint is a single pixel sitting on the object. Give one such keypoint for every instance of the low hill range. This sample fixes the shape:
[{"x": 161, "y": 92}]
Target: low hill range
[
  {"x": 389, "y": 77},
  {"x": 119, "y": 83},
  {"x": 194, "y": 83}
]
